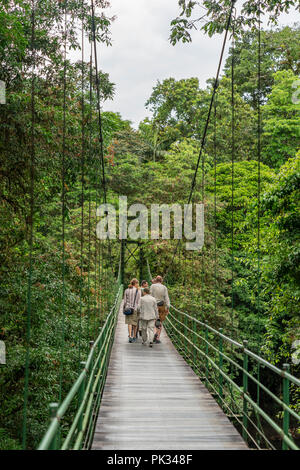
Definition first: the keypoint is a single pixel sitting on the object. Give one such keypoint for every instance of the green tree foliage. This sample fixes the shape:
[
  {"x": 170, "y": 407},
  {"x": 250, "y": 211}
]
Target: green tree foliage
[
  {"x": 176, "y": 107},
  {"x": 213, "y": 14},
  {"x": 244, "y": 126},
  {"x": 245, "y": 188},
  {"x": 280, "y": 261},
  {"x": 180, "y": 109},
  {"x": 16, "y": 56},
  {"x": 281, "y": 121},
  {"x": 279, "y": 51}
]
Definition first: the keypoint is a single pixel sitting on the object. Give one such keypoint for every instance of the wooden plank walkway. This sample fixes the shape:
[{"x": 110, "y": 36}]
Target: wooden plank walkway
[{"x": 153, "y": 400}]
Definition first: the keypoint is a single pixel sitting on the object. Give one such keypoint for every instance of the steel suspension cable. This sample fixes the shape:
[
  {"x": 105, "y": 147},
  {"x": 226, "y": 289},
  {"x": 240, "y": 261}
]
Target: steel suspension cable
[
  {"x": 97, "y": 254},
  {"x": 203, "y": 140},
  {"x": 82, "y": 183},
  {"x": 100, "y": 125},
  {"x": 99, "y": 292},
  {"x": 98, "y": 101},
  {"x": 203, "y": 248},
  {"x": 89, "y": 268},
  {"x": 89, "y": 196},
  {"x": 100, "y": 278},
  {"x": 215, "y": 205},
  {"x": 31, "y": 223},
  {"x": 259, "y": 132},
  {"x": 63, "y": 213},
  {"x": 215, "y": 86},
  {"x": 95, "y": 280},
  {"x": 232, "y": 173},
  {"x": 233, "y": 150}
]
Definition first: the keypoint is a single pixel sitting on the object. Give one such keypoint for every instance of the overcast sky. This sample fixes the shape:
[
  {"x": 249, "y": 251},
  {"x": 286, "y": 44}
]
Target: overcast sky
[{"x": 141, "y": 53}]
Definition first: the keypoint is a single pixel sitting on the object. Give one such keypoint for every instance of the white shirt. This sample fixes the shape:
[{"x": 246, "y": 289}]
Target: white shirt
[
  {"x": 148, "y": 308},
  {"x": 160, "y": 292}
]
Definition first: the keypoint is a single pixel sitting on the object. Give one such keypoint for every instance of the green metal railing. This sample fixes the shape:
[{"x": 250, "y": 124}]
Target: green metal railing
[
  {"x": 86, "y": 392},
  {"x": 227, "y": 369}
]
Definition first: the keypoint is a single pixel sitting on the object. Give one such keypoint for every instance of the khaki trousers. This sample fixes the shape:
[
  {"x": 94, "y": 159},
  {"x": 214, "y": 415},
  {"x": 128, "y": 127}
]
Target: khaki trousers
[
  {"x": 147, "y": 330},
  {"x": 162, "y": 312}
]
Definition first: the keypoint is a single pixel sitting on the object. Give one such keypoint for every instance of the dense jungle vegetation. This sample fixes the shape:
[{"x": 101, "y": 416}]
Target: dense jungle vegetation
[{"x": 152, "y": 164}]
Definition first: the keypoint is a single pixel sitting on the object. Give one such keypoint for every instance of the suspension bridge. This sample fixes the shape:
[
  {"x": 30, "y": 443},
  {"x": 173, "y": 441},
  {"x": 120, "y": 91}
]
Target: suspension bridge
[
  {"x": 153, "y": 400},
  {"x": 178, "y": 398},
  {"x": 199, "y": 389}
]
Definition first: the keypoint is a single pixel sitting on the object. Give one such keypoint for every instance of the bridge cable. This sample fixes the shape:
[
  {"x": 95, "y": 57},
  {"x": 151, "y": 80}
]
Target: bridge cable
[
  {"x": 100, "y": 124},
  {"x": 259, "y": 133},
  {"x": 102, "y": 176},
  {"x": 31, "y": 224},
  {"x": 215, "y": 205},
  {"x": 98, "y": 101},
  {"x": 203, "y": 141},
  {"x": 95, "y": 277},
  {"x": 89, "y": 196},
  {"x": 101, "y": 312},
  {"x": 63, "y": 213},
  {"x": 233, "y": 149},
  {"x": 82, "y": 183},
  {"x": 99, "y": 253}
]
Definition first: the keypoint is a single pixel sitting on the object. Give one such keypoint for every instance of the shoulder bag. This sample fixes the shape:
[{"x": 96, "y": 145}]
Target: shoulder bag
[{"x": 129, "y": 311}]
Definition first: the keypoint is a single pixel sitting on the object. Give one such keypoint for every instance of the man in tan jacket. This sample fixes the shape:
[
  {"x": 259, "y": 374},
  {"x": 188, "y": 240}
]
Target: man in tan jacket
[
  {"x": 148, "y": 314},
  {"x": 160, "y": 292}
]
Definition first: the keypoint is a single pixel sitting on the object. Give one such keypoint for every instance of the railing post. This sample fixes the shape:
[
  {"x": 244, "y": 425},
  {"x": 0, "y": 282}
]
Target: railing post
[
  {"x": 100, "y": 341},
  {"x": 81, "y": 395},
  {"x": 98, "y": 366},
  {"x": 122, "y": 270},
  {"x": 53, "y": 407},
  {"x": 286, "y": 401},
  {"x": 206, "y": 352},
  {"x": 99, "y": 349},
  {"x": 221, "y": 364},
  {"x": 194, "y": 342},
  {"x": 245, "y": 391},
  {"x": 185, "y": 334},
  {"x": 92, "y": 361}
]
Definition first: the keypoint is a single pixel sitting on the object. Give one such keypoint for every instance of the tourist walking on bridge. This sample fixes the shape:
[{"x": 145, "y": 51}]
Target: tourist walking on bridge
[
  {"x": 143, "y": 285},
  {"x": 148, "y": 313},
  {"x": 132, "y": 297},
  {"x": 139, "y": 328},
  {"x": 160, "y": 292}
]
